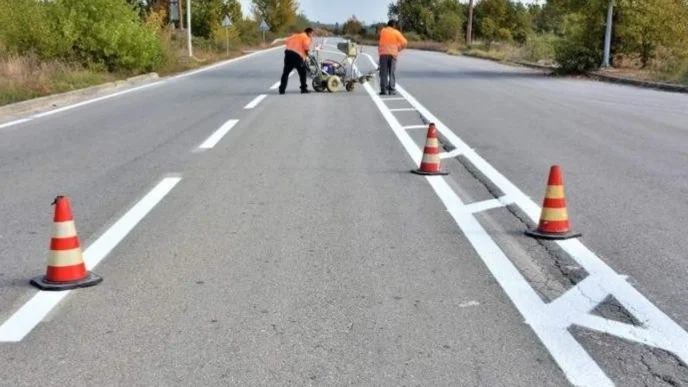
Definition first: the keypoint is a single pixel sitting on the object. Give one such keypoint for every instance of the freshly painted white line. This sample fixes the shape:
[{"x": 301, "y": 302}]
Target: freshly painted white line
[
  {"x": 571, "y": 357},
  {"x": 276, "y": 85},
  {"x": 657, "y": 322},
  {"x": 450, "y": 155},
  {"x": 133, "y": 89},
  {"x": 217, "y": 136},
  {"x": 103, "y": 98},
  {"x": 16, "y": 122},
  {"x": 415, "y": 127},
  {"x": 394, "y": 99},
  {"x": 486, "y": 205},
  {"x": 403, "y": 110},
  {"x": 255, "y": 102},
  {"x": 35, "y": 310}
]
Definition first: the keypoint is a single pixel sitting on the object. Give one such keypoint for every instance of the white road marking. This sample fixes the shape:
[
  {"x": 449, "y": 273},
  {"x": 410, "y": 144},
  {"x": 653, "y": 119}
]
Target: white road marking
[
  {"x": 450, "y": 155},
  {"x": 16, "y": 122},
  {"x": 255, "y": 102},
  {"x": 415, "y": 127},
  {"x": 486, "y": 205},
  {"x": 469, "y": 303},
  {"x": 217, "y": 136},
  {"x": 549, "y": 321},
  {"x": 394, "y": 99},
  {"x": 142, "y": 87},
  {"x": 578, "y": 366},
  {"x": 34, "y": 311},
  {"x": 403, "y": 110},
  {"x": 103, "y": 98},
  {"x": 276, "y": 85}
]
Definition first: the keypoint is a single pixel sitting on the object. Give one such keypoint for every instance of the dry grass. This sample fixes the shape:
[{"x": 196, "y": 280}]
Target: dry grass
[{"x": 24, "y": 77}]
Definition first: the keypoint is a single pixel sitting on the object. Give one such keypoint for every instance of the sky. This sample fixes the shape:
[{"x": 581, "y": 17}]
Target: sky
[{"x": 333, "y": 11}]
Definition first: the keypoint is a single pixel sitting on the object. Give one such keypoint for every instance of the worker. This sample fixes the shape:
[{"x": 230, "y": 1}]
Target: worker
[
  {"x": 390, "y": 44},
  {"x": 295, "y": 58}
]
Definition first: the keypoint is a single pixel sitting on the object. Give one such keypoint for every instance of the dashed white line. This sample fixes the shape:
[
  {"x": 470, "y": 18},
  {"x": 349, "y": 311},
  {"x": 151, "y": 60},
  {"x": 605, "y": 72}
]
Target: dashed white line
[
  {"x": 217, "y": 136},
  {"x": 34, "y": 311},
  {"x": 255, "y": 102},
  {"x": 276, "y": 85}
]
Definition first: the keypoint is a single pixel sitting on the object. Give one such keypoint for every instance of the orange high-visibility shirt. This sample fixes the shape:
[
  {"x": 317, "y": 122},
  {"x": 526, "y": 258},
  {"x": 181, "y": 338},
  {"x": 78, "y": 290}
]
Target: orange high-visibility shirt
[
  {"x": 391, "y": 42},
  {"x": 299, "y": 43}
]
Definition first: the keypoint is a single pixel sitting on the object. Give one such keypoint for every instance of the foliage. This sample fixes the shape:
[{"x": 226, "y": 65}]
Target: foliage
[
  {"x": 278, "y": 14},
  {"x": 352, "y": 27}
]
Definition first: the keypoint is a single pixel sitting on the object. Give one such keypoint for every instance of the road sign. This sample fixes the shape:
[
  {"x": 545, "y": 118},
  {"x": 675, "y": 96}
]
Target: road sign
[
  {"x": 226, "y": 22},
  {"x": 264, "y": 26}
]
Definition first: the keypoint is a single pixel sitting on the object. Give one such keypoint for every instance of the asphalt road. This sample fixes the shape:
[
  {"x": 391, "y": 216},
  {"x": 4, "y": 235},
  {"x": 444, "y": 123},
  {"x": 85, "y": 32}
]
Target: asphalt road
[{"x": 296, "y": 248}]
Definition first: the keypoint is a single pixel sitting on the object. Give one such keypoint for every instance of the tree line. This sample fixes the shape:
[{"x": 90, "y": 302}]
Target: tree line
[{"x": 647, "y": 31}]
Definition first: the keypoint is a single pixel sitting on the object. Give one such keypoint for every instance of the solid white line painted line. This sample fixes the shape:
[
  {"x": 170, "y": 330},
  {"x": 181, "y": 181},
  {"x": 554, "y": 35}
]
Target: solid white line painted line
[
  {"x": 571, "y": 357},
  {"x": 233, "y": 60},
  {"x": 394, "y": 99},
  {"x": 486, "y": 205},
  {"x": 16, "y": 122},
  {"x": 217, "y": 136},
  {"x": 255, "y": 102},
  {"x": 415, "y": 127},
  {"x": 450, "y": 155},
  {"x": 35, "y": 310},
  {"x": 551, "y": 325},
  {"x": 403, "y": 110},
  {"x": 103, "y": 98}
]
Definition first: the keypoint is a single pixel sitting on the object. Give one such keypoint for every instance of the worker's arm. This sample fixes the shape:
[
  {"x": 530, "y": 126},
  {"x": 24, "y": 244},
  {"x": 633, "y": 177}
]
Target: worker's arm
[
  {"x": 401, "y": 41},
  {"x": 306, "y": 46}
]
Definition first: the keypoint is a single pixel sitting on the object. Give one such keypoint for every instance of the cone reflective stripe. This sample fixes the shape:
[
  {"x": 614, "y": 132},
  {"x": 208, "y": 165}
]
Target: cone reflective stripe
[
  {"x": 554, "y": 218},
  {"x": 66, "y": 269},
  {"x": 431, "y": 162}
]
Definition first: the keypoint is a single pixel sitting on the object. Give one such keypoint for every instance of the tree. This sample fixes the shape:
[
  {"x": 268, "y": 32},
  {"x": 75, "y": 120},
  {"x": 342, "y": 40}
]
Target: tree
[
  {"x": 233, "y": 9},
  {"x": 279, "y": 14},
  {"x": 352, "y": 27}
]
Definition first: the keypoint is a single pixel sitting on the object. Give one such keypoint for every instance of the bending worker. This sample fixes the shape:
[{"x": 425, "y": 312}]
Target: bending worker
[
  {"x": 295, "y": 58},
  {"x": 390, "y": 44}
]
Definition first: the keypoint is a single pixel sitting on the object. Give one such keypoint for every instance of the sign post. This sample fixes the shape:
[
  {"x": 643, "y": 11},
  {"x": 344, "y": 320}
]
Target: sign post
[
  {"x": 264, "y": 27},
  {"x": 226, "y": 22}
]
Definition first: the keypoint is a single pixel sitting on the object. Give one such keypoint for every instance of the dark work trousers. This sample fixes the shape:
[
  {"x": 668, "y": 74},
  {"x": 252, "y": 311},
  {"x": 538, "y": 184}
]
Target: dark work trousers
[
  {"x": 293, "y": 61},
  {"x": 388, "y": 68}
]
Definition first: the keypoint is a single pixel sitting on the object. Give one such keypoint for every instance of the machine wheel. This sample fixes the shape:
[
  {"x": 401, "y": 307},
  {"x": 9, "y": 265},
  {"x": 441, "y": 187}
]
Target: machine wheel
[
  {"x": 333, "y": 83},
  {"x": 318, "y": 85},
  {"x": 350, "y": 86}
]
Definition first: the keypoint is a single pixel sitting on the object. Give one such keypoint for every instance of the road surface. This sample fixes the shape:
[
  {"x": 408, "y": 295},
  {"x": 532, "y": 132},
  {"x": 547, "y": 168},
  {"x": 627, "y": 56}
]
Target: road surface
[{"x": 249, "y": 238}]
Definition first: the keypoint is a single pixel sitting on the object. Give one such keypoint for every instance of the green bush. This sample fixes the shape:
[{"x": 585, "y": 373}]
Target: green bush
[
  {"x": 576, "y": 58},
  {"x": 539, "y": 47},
  {"x": 28, "y": 28}
]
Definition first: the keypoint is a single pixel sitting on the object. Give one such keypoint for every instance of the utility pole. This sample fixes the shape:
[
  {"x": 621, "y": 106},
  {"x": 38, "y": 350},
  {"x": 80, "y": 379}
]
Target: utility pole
[
  {"x": 469, "y": 26},
  {"x": 608, "y": 35},
  {"x": 188, "y": 27}
]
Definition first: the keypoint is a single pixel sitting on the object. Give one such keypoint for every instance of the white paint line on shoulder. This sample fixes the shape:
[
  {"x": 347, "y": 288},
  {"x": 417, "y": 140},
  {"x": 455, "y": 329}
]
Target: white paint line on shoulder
[
  {"x": 575, "y": 362},
  {"x": 403, "y": 110},
  {"x": 450, "y": 155},
  {"x": 34, "y": 311},
  {"x": 233, "y": 60},
  {"x": 415, "y": 127},
  {"x": 16, "y": 122},
  {"x": 103, "y": 98},
  {"x": 255, "y": 102},
  {"x": 217, "y": 136}
]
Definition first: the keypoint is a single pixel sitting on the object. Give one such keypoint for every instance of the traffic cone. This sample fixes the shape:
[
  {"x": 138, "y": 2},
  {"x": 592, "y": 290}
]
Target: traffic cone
[
  {"x": 554, "y": 218},
  {"x": 430, "y": 165},
  {"x": 66, "y": 268}
]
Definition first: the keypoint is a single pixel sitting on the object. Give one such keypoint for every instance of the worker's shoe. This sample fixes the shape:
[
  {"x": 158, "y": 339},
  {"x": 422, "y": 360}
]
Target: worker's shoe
[
  {"x": 383, "y": 93},
  {"x": 305, "y": 91}
]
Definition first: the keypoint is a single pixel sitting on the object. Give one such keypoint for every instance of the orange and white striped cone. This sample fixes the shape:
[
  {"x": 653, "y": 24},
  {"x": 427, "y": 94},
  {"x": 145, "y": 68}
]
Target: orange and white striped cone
[
  {"x": 431, "y": 163},
  {"x": 66, "y": 268},
  {"x": 554, "y": 218}
]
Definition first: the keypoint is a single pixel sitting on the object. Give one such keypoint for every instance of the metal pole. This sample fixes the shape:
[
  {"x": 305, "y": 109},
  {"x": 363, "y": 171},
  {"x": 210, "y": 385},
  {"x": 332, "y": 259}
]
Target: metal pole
[
  {"x": 188, "y": 27},
  {"x": 608, "y": 35},
  {"x": 227, "y": 39}
]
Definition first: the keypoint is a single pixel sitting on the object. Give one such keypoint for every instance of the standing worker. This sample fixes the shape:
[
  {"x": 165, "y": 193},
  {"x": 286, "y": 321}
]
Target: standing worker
[
  {"x": 295, "y": 58},
  {"x": 391, "y": 42}
]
